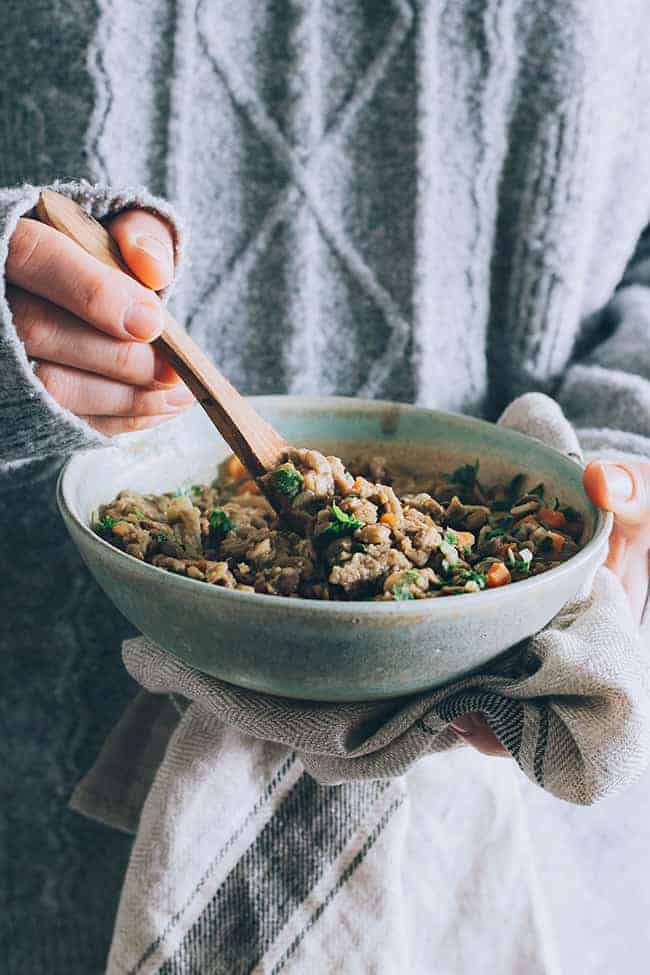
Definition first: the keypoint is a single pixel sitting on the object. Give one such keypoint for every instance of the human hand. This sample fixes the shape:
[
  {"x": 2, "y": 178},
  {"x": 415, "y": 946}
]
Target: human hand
[
  {"x": 623, "y": 488},
  {"x": 89, "y": 326}
]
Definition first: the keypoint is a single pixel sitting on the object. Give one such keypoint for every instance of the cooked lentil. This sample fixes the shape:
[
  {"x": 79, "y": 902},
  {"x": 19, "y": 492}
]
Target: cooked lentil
[{"x": 334, "y": 533}]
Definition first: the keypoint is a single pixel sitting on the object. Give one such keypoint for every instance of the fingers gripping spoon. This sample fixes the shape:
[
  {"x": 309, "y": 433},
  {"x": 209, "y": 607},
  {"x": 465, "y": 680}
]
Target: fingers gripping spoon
[{"x": 258, "y": 446}]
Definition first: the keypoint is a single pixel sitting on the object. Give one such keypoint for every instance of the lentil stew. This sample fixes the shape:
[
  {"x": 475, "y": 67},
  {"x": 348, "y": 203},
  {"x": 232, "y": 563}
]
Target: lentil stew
[{"x": 340, "y": 533}]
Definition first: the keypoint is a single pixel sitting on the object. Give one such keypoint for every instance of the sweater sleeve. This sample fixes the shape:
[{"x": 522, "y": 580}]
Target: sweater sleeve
[
  {"x": 33, "y": 424},
  {"x": 606, "y": 392}
]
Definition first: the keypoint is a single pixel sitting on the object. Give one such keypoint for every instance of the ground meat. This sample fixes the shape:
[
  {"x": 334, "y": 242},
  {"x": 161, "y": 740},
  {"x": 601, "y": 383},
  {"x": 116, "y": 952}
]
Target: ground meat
[
  {"x": 363, "y": 510},
  {"x": 413, "y": 582},
  {"x": 331, "y": 535},
  {"x": 185, "y": 518},
  {"x": 424, "y": 503},
  {"x": 343, "y": 480},
  {"x": 364, "y": 568},
  {"x": 373, "y": 535},
  {"x": 316, "y": 471}
]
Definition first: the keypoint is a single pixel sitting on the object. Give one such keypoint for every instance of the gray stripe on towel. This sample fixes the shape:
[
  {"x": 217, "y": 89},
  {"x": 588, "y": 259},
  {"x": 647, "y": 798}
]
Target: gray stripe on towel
[
  {"x": 308, "y": 831},
  {"x": 342, "y": 880},
  {"x": 262, "y": 800}
]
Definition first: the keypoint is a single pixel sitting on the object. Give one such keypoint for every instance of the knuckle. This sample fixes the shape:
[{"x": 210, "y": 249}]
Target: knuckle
[
  {"x": 140, "y": 401},
  {"x": 36, "y": 324},
  {"x": 93, "y": 297},
  {"x": 125, "y": 355},
  {"x": 36, "y": 334},
  {"x": 55, "y": 381},
  {"x": 25, "y": 246}
]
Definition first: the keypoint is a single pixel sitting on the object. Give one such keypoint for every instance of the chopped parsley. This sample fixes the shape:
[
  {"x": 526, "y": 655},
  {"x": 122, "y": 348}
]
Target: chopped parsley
[
  {"x": 500, "y": 528},
  {"x": 465, "y": 475},
  {"x": 495, "y": 533},
  {"x": 412, "y": 575},
  {"x": 401, "y": 592},
  {"x": 286, "y": 480},
  {"x": 341, "y": 524},
  {"x": 449, "y": 551},
  {"x": 345, "y": 520},
  {"x": 220, "y": 523},
  {"x": 469, "y": 575},
  {"x": 185, "y": 490},
  {"x": 160, "y": 538},
  {"x": 521, "y": 564},
  {"x": 450, "y": 538},
  {"x": 106, "y": 523}
]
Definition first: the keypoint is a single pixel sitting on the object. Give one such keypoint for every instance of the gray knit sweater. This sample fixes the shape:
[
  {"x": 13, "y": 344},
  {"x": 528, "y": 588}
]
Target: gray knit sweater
[{"x": 400, "y": 199}]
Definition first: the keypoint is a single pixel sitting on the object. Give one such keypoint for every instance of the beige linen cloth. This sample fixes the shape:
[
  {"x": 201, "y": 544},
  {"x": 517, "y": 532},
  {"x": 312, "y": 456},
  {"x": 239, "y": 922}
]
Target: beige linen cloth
[{"x": 258, "y": 818}]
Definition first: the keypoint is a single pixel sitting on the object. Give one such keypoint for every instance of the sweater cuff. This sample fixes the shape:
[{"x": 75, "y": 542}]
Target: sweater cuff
[{"x": 33, "y": 424}]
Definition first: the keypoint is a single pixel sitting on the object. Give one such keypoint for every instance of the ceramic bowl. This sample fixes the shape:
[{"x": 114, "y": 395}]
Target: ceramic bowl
[{"x": 329, "y": 651}]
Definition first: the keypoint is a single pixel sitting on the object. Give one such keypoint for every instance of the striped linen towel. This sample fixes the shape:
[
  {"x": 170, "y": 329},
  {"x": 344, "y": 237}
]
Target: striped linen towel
[{"x": 243, "y": 803}]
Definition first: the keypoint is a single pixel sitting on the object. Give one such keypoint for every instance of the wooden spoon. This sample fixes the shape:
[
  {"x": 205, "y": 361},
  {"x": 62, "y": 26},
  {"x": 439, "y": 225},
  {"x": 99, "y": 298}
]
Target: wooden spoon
[{"x": 258, "y": 446}]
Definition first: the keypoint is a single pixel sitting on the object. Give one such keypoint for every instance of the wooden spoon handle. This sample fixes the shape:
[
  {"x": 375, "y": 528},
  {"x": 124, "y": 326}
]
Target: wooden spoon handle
[{"x": 254, "y": 441}]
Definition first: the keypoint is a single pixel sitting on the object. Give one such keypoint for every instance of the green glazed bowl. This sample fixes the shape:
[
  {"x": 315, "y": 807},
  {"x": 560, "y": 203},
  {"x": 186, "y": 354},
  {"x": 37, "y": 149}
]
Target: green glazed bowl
[{"x": 327, "y": 651}]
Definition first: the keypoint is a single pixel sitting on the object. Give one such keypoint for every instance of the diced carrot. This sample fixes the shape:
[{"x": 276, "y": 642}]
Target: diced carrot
[
  {"x": 497, "y": 575},
  {"x": 551, "y": 519},
  {"x": 464, "y": 540},
  {"x": 526, "y": 520},
  {"x": 122, "y": 529},
  {"x": 248, "y": 487},
  {"x": 235, "y": 469},
  {"x": 389, "y": 519},
  {"x": 557, "y": 541},
  {"x": 358, "y": 484}
]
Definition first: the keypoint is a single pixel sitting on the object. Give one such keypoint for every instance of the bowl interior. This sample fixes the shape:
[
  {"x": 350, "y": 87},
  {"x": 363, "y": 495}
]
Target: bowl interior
[{"x": 188, "y": 450}]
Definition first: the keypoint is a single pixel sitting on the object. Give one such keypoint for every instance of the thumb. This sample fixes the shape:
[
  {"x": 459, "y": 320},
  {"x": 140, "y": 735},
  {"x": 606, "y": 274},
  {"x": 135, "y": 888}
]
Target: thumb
[
  {"x": 621, "y": 487},
  {"x": 146, "y": 245}
]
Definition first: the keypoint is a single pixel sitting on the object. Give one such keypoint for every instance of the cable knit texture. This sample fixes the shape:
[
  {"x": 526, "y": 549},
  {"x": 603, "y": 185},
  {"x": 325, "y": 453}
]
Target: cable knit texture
[{"x": 416, "y": 200}]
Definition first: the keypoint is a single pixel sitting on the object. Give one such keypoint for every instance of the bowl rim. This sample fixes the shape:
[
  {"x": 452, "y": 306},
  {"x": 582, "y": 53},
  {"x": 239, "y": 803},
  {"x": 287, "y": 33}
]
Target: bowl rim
[{"x": 366, "y": 608}]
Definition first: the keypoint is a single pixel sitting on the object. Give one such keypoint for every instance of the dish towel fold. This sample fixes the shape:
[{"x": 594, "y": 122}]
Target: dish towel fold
[{"x": 571, "y": 705}]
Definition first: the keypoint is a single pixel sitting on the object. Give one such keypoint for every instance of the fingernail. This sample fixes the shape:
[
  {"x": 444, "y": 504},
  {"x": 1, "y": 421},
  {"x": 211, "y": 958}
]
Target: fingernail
[
  {"x": 143, "y": 320},
  {"x": 620, "y": 486},
  {"x": 179, "y": 396},
  {"x": 157, "y": 250}
]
